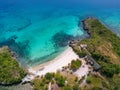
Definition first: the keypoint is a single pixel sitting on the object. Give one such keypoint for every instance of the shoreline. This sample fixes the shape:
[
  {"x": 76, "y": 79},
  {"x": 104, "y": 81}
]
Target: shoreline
[
  {"x": 56, "y": 64},
  {"x": 60, "y": 61}
]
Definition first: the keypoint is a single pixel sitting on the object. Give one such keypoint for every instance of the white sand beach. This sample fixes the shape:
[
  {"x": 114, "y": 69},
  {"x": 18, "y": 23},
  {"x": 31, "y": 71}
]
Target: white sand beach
[{"x": 62, "y": 60}]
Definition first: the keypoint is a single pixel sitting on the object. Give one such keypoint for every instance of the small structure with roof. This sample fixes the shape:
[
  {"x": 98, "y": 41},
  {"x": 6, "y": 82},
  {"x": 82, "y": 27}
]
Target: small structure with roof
[
  {"x": 84, "y": 46},
  {"x": 93, "y": 63}
]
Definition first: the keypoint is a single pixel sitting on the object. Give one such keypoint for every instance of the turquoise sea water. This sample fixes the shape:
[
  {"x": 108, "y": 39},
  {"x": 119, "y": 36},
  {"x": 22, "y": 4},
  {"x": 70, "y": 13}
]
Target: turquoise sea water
[{"x": 39, "y": 30}]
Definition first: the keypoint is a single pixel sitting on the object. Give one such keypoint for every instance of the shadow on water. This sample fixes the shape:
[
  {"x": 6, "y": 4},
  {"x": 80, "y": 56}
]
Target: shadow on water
[
  {"x": 21, "y": 48},
  {"x": 61, "y": 39}
]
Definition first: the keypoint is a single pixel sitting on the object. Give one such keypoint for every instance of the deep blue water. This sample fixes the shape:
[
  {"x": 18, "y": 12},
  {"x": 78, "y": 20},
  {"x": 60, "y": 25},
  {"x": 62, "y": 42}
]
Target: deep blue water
[{"x": 38, "y": 30}]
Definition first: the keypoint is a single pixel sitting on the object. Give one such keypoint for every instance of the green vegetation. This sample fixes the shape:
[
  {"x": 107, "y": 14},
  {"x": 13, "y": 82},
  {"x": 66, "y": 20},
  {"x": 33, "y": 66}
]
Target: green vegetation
[
  {"x": 102, "y": 42},
  {"x": 76, "y": 87},
  {"x": 115, "y": 83},
  {"x": 40, "y": 84},
  {"x": 10, "y": 71},
  {"x": 63, "y": 82},
  {"x": 82, "y": 54},
  {"x": 79, "y": 52},
  {"x": 110, "y": 70},
  {"x": 68, "y": 87},
  {"x": 49, "y": 76},
  {"x": 75, "y": 64},
  {"x": 95, "y": 82},
  {"x": 89, "y": 80},
  {"x": 96, "y": 88},
  {"x": 104, "y": 48}
]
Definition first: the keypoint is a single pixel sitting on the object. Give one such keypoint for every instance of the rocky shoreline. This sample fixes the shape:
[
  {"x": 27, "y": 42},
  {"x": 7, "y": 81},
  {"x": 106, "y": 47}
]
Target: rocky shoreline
[{"x": 85, "y": 26}]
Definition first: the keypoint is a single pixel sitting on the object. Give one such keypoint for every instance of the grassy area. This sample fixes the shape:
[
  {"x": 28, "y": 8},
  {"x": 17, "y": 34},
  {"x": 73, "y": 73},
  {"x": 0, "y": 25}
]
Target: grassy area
[
  {"x": 102, "y": 41},
  {"x": 94, "y": 81},
  {"x": 10, "y": 71}
]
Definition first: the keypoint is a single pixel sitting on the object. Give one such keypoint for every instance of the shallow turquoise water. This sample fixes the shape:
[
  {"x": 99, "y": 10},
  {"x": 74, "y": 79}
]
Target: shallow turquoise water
[{"x": 38, "y": 31}]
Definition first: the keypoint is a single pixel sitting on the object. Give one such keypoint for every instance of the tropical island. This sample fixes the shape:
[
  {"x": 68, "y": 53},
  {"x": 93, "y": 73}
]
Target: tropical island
[{"x": 91, "y": 64}]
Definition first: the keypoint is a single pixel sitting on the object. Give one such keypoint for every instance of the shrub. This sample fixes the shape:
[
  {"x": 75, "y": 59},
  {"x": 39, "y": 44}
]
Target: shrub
[
  {"x": 42, "y": 84},
  {"x": 67, "y": 87},
  {"x": 76, "y": 87},
  {"x": 76, "y": 79},
  {"x": 96, "y": 88},
  {"x": 104, "y": 84},
  {"x": 61, "y": 81},
  {"x": 49, "y": 76},
  {"x": 75, "y": 64},
  {"x": 82, "y": 54},
  {"x": 89, "y": 80}
]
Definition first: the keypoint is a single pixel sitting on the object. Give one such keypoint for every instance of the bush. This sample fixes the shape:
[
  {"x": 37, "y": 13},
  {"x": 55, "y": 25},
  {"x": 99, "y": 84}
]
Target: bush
[
  {"x": 61, "y": 81},
  {"x": 57, "y": 76},
  {"x": 96, "y": 88},
  {"x": 89, "y": 80},
  {"x": 76, "y": 87},
  {"x": 76, "y": 79},
  {"x": 75, "y": 64},
  {"x": 67, "y": 87},
  {"x": 104, "y": 84},
  {"x": 49, "y": 76},
  {"x": 82, "y": 54},
  {"x": 42, "y": 84}
]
